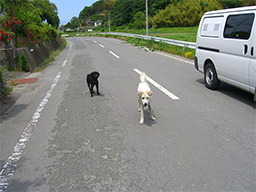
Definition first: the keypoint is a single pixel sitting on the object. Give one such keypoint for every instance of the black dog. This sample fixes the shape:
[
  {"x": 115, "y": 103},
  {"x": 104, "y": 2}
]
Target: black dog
[{"x": 92, "y": 79}]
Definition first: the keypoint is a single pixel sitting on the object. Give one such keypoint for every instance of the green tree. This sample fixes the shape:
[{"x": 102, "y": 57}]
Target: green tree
[
  {"x": 121, "y": 12},
  {"x": 249, "y": 2},
  {"x": 30, "y": 30},
  {"x": 109, "y": 4},
  {"x": 184, "y": 13},
  {"x": 86, "y": 12},
  {"x": 158, "y": 5},
  {"x": 74, "y": 22},
  {"x": 139, "y": 20},
  {"x": 231, "y": 3},
  {"x": 6, "y": 6},
  {"x": 211, "y": 5},
  {"x": 236, "y": 3},
  {"x": 49, "y": 12},
  {"x": 124, "y": 10}
]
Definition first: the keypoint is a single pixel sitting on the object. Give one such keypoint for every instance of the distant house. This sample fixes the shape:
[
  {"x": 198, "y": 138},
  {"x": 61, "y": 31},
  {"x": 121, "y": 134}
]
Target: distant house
[
  {"x": 97, "y": 23},
  {"x": 88, "y": 22},
  {"x": 104, "y": 14}
]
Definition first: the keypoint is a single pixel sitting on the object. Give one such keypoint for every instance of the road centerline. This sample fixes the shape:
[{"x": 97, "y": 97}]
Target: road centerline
[
  {"x": 161, "y": 88},
  {"x": 114, "y": 54}
]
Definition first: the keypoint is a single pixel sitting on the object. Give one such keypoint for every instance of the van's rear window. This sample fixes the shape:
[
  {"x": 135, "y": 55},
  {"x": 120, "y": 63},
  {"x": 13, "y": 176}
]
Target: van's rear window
[{"x": 239, "y": 26}]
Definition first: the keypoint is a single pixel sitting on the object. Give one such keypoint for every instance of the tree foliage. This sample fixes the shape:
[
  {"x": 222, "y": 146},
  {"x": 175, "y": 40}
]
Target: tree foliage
[
  {"x": 165, "y": 13},
  {"x": 184, "y": 13},
  {"x": 96, "y": 8},
  {"x": 49, "y": 12},
  {"x": 236, "y": 3},
  {"x": 32, "y": 13}
]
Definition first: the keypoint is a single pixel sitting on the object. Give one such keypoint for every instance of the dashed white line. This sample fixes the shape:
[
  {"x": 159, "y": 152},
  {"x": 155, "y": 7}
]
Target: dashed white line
[
  {"x": 114, "y": 54},
  {"x": 94, "y": 41},
  {"x": 64, "y": 63},
  {"x": 102, "y": 46},
  {"x": 161, "y": 88}
]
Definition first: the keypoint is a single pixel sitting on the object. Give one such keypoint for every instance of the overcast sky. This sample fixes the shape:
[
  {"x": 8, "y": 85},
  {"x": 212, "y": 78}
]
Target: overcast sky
[{"x": 70, "y": 8}]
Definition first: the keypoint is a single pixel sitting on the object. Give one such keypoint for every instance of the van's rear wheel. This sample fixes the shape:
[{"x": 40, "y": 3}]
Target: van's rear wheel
[{"x": 210, "y": 77}]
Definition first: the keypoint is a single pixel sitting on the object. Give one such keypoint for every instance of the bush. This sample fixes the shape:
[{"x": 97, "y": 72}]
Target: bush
[
  {"x": 4, "y": 89},
  {"x": 20, "y": 63},
  {"x": 184, "y": 13},
  {"x": 33, "y": 34}
]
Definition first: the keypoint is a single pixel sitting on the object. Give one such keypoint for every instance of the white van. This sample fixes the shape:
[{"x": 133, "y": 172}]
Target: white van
[{"x": 226, "y": 48}]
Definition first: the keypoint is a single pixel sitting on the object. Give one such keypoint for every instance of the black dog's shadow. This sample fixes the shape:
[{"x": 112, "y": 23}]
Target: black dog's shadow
[
  {"x": 94, "y": 94},
  {"x": 100, "y": 94}
]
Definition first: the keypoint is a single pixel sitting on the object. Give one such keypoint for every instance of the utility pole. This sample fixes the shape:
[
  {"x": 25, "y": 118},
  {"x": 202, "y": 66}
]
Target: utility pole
[
  {"x": 147, "y": 17},
  {"x": 109, "y": 22}
]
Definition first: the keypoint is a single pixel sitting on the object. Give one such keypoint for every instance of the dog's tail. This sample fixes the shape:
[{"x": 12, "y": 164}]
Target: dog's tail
[{"x": 143, "y": 77}]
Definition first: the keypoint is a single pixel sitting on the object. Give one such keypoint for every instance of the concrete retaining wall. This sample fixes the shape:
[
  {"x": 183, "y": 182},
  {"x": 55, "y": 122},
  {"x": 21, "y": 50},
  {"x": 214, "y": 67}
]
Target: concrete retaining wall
[{"x": 35, "y": 56}]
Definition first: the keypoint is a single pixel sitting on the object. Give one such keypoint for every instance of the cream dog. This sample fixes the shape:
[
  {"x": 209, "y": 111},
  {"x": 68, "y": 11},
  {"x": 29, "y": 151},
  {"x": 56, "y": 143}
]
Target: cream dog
[{"x": 144, "y": 93}]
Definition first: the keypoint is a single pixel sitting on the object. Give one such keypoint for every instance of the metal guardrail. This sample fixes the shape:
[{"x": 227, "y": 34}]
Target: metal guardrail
[{"x": 169, "y": 41}]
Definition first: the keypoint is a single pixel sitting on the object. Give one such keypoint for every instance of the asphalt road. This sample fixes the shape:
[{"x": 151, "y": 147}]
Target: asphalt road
[{"x": 59, "y": 138}]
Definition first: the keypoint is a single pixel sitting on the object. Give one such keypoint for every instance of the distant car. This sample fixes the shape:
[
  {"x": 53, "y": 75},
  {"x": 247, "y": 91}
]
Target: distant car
[{"x": 226, "y": 48}]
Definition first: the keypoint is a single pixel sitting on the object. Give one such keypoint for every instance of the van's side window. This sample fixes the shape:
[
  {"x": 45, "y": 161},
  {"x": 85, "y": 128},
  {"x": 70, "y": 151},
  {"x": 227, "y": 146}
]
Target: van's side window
[{"x": 239, "y": 26}]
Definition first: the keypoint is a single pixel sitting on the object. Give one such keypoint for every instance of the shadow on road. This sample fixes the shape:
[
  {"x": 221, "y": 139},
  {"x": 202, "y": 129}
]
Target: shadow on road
[{"x": 233, "y": 92}]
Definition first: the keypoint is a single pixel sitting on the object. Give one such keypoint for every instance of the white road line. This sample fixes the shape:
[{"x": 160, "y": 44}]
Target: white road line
[
  {"x": 114, "y": 54},
  {"x": 102, "y": 46},
  {"x": 64, "y": 63},
  {"x": 9, "y": 167},
  {"x": 161, "y": 88},
  {"x": 183, "y": 60},
  {"x": 94, "y": 41}
]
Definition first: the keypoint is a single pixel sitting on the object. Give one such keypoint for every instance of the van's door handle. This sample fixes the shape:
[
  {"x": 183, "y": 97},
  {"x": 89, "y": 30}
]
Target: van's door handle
[
  {"x": 252, "y": 51},
  {"x": 245, "y": 49}
]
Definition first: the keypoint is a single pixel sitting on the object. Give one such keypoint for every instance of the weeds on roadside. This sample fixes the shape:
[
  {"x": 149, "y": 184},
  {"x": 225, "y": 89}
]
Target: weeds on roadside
[
  {"x": 13, "y": 82},
  {"x": 177, "y": 33},
  {"x": 20, "y": 63},
  {"x": 162, "y": 46},
  {"x": 4, "y": 88}
]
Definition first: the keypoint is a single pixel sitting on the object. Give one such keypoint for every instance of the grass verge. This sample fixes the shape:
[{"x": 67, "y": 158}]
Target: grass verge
[
  {"x": 154, "y": 45},
  {"x": 176, "y": 33}
]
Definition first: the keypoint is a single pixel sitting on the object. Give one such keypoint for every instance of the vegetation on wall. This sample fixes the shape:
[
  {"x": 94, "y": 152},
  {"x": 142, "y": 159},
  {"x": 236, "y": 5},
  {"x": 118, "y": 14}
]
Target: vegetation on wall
[
  {"x": 20, "y": 63},
  {"x": 4, "y": 89},
  {"x": 28, "y": 22},
  {"x": 24, "y": 23}
]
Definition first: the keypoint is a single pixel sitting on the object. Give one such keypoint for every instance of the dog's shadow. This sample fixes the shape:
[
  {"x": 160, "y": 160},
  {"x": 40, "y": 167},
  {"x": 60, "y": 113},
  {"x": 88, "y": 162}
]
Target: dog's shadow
[
  {"x": 100, "y": 94},
  {"x": 94, "y": 95},
  {"x": 147, "y": 120}
]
